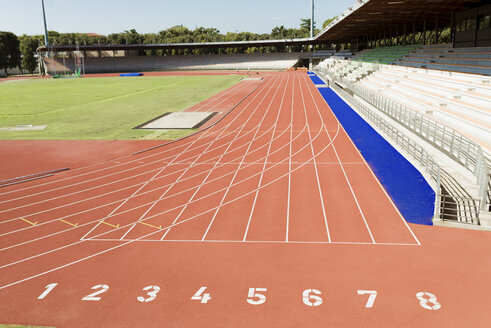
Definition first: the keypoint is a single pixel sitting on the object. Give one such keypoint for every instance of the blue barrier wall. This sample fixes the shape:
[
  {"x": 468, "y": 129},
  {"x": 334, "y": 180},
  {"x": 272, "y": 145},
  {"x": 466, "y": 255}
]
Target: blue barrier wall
[
  {"x": 405, "y": 185},
  {"x": 316, "y": 79}
]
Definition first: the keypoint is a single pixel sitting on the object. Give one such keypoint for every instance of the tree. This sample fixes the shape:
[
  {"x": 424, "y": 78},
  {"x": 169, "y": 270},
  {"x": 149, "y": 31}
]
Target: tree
[
  {"x": 305, "y": 24},
  {"x": 28, "y": 46},
  {"x": 328, "y": 21},
  {"x": 9, "y": 51}
]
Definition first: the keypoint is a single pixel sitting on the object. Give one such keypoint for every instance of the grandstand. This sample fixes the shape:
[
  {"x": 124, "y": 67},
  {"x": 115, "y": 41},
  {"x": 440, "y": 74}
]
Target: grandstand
[
  {"x": 273, "y": 61},
  {"x": 437, "y": 96}
]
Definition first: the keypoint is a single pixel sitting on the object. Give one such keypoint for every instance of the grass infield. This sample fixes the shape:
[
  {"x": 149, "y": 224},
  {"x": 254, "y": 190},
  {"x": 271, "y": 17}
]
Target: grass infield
[{"x": 101, "y": 108}]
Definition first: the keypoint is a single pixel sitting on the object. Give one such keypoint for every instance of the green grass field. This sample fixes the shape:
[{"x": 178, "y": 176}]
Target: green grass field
[{"x": 101, "y": 108}]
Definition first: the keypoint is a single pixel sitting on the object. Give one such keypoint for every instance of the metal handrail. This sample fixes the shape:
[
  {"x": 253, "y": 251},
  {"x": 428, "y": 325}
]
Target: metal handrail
[
  {"x": 454, "y": 144},
  {"x": 448, "y": 207}
]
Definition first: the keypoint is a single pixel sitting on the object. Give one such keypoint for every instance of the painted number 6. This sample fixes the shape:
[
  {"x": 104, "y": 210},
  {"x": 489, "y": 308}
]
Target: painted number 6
[{"x": 310, "y": 297}]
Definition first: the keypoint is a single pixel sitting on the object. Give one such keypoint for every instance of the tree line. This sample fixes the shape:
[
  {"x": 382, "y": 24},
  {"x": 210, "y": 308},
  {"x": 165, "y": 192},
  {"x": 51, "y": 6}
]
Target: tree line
[{"x": 19, "y": 51}]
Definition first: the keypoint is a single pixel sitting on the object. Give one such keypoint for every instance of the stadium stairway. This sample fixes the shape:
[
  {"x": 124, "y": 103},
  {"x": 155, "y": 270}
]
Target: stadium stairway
[
  {"x": 460, "y": 199},
  {"x": 445, "y": 57}
]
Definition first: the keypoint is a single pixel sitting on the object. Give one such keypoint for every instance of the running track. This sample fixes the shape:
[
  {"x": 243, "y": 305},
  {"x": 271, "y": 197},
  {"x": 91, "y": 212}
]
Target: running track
[{"x": 275, "y": 196}]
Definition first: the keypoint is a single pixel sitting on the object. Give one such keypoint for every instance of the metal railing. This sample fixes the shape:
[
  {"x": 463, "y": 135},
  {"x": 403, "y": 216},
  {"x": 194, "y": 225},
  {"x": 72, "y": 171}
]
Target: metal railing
[
  {"x": 448, "y": 205},
  {"x": 455, "y": 145}
]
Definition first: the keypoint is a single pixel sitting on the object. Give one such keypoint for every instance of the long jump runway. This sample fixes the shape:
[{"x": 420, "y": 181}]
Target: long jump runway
[{"x": 270, "y": 217}]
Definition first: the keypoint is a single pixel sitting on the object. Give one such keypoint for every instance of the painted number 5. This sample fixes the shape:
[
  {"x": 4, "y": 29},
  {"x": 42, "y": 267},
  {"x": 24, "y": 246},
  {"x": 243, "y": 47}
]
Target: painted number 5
[
  {"x": 151, "y": 294},
  {"x": 311, "y": 298},
  {"x": 253, "y": 293}
]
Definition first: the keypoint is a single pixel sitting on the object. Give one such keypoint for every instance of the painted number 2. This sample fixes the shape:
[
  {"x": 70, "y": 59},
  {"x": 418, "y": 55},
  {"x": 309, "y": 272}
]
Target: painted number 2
[
  {"x": 93, "y": 296},
  {"x": 428, "y": 301}
]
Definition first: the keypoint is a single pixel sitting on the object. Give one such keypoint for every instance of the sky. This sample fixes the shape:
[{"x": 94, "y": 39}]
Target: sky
[{"x": 151, "y": 16}]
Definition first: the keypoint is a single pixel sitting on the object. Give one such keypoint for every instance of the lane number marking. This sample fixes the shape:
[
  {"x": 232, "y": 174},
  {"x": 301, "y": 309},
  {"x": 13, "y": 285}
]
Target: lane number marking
[
  {"x": 93, "y": 296},
  {"x": 253, "y": 293}
]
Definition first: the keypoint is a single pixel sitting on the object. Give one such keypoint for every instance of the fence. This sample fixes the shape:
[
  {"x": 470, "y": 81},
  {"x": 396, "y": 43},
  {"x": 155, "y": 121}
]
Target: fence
[
  {"x": 451, "y": 142},
  {"x": 448, "y": 205}
]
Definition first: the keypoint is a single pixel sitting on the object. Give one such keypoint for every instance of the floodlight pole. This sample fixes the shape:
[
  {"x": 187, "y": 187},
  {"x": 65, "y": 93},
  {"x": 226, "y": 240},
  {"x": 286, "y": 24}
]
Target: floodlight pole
[
  {"x": 312, "y": 21},
  {"x": 46, "y": 39},
  {"x": 311, "y": 34}
]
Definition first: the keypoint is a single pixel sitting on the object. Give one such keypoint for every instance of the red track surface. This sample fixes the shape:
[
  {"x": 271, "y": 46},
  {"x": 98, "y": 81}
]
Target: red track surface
[{"x": 274, "y": 196}]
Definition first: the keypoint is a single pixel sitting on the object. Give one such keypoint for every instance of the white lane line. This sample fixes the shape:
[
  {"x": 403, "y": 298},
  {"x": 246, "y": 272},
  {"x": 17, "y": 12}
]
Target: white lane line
[
  {"x": 267, "y": 156},
  {"x": 139, "y": 189},
  {"x": 81, "y": 225},
  {"x": 353, "y": 193},
  {"x": 168, "y": 149},
  {"x": 290, "y": 166},
  {"x": 204, "y": 180},
  {"x": 129, "y": 210},
  {"x": 330, "y": 143},
  {"x": 94, "y": 197},
  {"x": 315, "y": 162},
  {"x": 383, "y": 189},
  {"x": 257, "y": 242},
  {"x": 178, "y": 223},
  {"x": 166, "y": 191},
  {"x": 239, "y": 167},
  {"x": 185, "y": 171}
]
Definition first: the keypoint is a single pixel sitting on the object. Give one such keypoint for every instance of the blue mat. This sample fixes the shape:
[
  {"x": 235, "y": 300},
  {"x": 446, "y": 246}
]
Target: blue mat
[
  {"x": 316, "y": 79},
  {"x": 131, "y": 74},
  {"x": 406, "y": 186}
]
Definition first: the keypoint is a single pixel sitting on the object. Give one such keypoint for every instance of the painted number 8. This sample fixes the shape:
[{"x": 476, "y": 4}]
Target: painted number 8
[{"x": 428, "y": 301}]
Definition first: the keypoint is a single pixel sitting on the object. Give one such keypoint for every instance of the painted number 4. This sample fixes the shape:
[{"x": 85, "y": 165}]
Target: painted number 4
[{"x": 201, "y": 296}]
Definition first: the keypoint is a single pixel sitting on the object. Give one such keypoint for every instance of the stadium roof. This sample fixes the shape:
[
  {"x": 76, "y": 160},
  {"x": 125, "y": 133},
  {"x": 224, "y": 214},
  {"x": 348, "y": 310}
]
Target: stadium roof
[
  {"x": 365, "y": 17},
  {"x": 368, "y": 17},
  {"x": 232, "y": 44}
]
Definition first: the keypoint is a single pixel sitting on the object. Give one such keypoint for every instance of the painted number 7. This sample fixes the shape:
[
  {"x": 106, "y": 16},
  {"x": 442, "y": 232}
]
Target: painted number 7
[{"x": 371, "y": 298}]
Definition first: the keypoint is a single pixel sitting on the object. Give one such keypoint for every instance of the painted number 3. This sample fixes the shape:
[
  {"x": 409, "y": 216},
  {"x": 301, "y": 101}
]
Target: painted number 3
[
  {"x": 151, "y": 294},
  {"x": 428, "y": 301}
]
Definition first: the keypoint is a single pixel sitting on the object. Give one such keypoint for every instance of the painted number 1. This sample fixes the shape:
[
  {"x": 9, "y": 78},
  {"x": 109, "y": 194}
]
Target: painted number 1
[{"x": 49, "y": 288}]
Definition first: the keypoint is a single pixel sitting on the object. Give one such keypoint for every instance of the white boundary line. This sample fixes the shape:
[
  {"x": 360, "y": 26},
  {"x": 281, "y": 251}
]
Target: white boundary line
[
  {"x": 178, "y": 223},
  {"x": 231, "y": 182},
  {"x": 210, "y": 171},
  {"x": 315, "y": 161},
  {"x": 380, "y": 184},
  {"x": 256, "y": 242},
  {"x": 174, "y": 146},
  {"x": 93, "y": 197},
  {"x": 204, "y": 135},
  {"x": 267, "y": 156}
]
